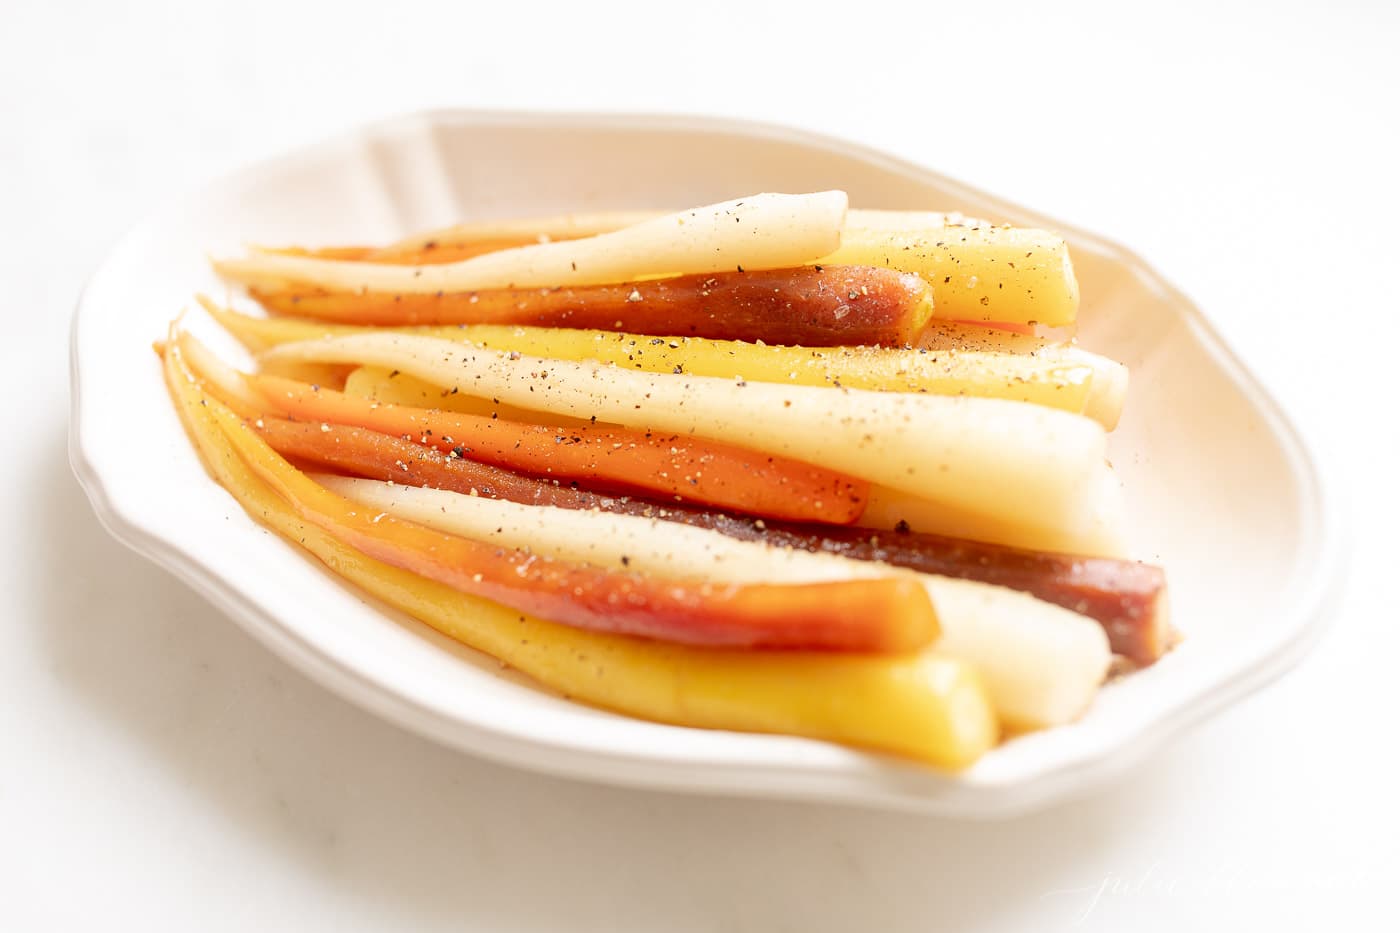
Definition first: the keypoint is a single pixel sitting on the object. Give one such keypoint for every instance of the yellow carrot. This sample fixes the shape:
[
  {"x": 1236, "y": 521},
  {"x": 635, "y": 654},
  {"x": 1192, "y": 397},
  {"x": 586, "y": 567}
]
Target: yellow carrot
[
  {"x": 1050, "y": 381},
  {"x": 979, "y": 271}
]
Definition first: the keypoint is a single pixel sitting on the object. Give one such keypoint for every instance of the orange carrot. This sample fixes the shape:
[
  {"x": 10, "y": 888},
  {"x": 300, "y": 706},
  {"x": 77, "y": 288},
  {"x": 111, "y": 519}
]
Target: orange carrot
[
  {"x": 682, "y": 468},
  {"x": 434, "y": 253}
]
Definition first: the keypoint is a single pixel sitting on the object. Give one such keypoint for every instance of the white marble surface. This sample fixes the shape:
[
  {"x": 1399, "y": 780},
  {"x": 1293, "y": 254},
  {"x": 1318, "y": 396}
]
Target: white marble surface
[{"x": 158, "y": 771}]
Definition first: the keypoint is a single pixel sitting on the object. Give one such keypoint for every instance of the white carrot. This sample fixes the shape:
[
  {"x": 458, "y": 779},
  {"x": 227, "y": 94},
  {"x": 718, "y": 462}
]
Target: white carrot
[
  {"x": 1016, "y": 462},
  {"x": 764, "y": 231}
]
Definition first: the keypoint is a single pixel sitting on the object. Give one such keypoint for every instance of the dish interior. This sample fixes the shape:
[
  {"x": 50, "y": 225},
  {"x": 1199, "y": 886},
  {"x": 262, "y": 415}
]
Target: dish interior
[{"x": 1218, "y": 491}]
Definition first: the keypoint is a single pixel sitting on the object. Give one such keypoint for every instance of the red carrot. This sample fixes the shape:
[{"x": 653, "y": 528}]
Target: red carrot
[{"x": 809, "y": 306}]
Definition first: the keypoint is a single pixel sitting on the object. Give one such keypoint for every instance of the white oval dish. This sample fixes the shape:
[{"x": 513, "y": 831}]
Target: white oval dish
[{"x": 1221, "y": 489}]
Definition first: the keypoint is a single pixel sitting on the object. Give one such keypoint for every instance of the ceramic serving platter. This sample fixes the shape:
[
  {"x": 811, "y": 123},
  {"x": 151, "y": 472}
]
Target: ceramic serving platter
[{"x": 1221, "y": 489}]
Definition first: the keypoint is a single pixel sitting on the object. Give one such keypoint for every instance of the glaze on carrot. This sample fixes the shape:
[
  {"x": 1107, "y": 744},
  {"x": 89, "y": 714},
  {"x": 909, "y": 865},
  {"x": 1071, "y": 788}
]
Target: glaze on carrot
[{"x": 810, "y": 306}]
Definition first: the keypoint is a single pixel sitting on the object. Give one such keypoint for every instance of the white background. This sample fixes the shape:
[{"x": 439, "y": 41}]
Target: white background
[{"x": 159, "y": 771}]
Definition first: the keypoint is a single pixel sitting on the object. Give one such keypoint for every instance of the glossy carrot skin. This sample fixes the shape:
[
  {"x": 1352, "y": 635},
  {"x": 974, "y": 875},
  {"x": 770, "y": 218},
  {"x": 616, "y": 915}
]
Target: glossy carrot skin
[
  {"x": 884, "y": 617},
  {"x": 672, "y": 466},
  {"x": 351, "y": 253},
  {"x": 433, "y": 253},
  {"x": 427, "y": 255},
  {"x": 1127, "y": 598},
  {"x": 372, "y": 454},
  {"x": 810, "y": 306},
  {"x": 1008, "y": 326}
]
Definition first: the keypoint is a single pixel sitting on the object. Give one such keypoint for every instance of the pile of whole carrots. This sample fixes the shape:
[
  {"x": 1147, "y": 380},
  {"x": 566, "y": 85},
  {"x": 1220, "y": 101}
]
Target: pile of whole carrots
[{"x": 767, "y": 465}]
